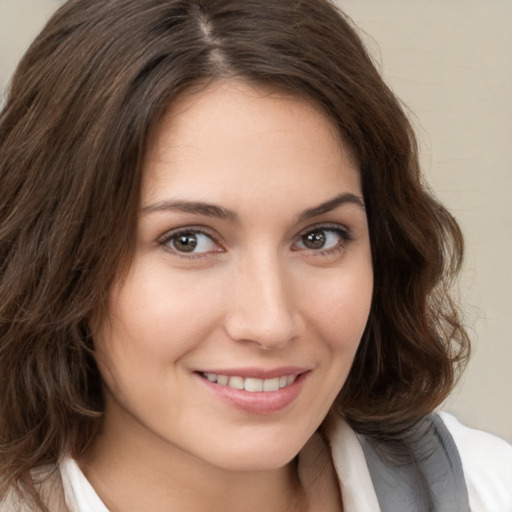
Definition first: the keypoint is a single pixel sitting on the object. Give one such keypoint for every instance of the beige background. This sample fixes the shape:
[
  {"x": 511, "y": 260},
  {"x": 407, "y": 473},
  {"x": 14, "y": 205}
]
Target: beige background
[{"x": 450, "y": 62}]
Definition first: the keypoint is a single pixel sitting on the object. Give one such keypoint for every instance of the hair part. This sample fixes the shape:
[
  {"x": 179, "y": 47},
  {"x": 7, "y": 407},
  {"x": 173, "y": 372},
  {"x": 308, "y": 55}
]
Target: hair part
[{"x": 73, "y": 137}]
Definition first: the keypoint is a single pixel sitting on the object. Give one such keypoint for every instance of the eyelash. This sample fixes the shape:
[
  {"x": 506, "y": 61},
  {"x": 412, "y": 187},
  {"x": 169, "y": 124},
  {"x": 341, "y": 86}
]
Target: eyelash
[
  {"x": 168, "y": 237},
  {"x": 344, "y": 235}
]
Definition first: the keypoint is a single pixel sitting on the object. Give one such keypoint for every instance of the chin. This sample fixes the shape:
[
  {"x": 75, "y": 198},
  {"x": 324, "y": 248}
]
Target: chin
[
  {"x": 265, "y": 455},
  {"x": 263, "y": 461}
]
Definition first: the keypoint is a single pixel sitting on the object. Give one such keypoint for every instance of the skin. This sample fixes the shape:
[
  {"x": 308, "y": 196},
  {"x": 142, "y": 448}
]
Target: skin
[{"x": 253, "y": 293}]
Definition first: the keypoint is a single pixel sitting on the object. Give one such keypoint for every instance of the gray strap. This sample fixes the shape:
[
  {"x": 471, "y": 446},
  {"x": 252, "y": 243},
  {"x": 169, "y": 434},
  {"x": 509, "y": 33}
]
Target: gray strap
[{"x": 432, "y": 479}]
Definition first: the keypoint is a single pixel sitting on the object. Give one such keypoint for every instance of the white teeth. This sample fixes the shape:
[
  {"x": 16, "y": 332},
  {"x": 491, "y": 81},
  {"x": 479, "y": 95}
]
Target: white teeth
[
  {"x": 236, "y": 382},
  {"x": 251, "y": 384},
  {"x": 222, "y": 380},
  {"x": 271, "y": 384},
  {"x": 290, "y": 379}
]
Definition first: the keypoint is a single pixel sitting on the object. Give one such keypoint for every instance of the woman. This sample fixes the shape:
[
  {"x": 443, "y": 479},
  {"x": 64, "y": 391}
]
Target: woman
[{"x": 218, "y": 265}]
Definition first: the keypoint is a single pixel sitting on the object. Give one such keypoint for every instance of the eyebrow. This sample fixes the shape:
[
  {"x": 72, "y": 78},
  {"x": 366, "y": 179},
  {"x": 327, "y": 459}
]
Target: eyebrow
[
  {"x": 194, "y": 207},
  {"x": 332, "y": 204},
  {"x": 212, "y": 210}
]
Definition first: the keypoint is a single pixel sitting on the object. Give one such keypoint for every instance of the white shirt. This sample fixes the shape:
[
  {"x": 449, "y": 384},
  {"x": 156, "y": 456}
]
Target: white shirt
[{"x": 486, "y": 461}]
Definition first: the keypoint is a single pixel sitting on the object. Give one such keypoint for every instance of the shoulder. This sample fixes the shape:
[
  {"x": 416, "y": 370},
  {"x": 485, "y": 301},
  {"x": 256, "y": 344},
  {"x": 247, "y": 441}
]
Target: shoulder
[{"x": 487, "y": 465}]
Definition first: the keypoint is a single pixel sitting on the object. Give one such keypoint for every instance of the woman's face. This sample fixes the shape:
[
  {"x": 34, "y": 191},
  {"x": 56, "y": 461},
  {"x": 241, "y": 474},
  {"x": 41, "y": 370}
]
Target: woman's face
[{"x": 252, "y": 270}]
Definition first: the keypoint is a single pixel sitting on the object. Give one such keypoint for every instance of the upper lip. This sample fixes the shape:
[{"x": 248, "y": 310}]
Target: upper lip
[{"x": 257, "y": 373}]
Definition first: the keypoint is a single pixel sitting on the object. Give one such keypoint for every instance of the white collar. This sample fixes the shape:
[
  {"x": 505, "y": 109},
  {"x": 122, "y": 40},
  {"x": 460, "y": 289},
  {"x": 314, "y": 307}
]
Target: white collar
[
  {"x": 350, "y": 464},
  {"x": 348, "y": 457},
  {"x": 78, "y": 492}
]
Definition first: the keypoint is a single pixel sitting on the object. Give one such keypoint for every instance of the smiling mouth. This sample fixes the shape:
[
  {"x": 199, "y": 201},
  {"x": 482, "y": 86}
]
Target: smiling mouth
[{"x": 250, "y": 384}]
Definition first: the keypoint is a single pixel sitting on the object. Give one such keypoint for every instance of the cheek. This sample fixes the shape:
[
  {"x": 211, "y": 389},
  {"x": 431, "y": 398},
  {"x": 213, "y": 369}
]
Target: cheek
[
  {"x": 339, "y": 309},
  {"x": 339, "y": 317},
  {"x": 157, "y": 315}
]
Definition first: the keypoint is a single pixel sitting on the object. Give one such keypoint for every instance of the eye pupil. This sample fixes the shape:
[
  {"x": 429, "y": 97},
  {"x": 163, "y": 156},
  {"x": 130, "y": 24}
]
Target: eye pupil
[
  {"x": 314, "y": 240},
  {"x": 185, "y": 242}
]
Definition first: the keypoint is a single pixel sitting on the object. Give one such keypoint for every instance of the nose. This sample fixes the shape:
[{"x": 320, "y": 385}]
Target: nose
[{"x": 261, "y": 306}]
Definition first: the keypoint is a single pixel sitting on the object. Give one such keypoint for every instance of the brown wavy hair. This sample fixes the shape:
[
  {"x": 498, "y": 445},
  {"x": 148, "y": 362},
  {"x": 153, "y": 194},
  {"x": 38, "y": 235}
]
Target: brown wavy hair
[{"x": 73, "y": 135}]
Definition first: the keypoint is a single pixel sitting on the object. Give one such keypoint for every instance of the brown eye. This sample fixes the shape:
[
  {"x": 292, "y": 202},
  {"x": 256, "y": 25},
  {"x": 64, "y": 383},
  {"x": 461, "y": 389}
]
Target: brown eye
[
  {"x": 323, "y": 239},
  {"x": 314, "y": 239},
  {"x": 184, "y": 242},
  {"x": 192, "y": 242}
]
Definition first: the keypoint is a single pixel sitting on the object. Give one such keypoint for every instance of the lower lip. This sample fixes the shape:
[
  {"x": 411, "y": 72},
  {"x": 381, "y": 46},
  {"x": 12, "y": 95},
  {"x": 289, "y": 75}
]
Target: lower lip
[{"x": 260, "y": 402}]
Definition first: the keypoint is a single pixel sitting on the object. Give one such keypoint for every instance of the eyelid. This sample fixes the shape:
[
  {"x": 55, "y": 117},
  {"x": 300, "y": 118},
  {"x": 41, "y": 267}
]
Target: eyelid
[
  {"x": 333, "y": 252},
  {"x": 344, "y": 232},
  {"x": 329, "y": 226},
  {"x": 164, "y": 240}
]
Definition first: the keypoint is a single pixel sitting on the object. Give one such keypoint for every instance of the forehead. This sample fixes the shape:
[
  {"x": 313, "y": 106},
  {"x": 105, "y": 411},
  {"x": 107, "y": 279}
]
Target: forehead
[{"x": 231, "y": 136}]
